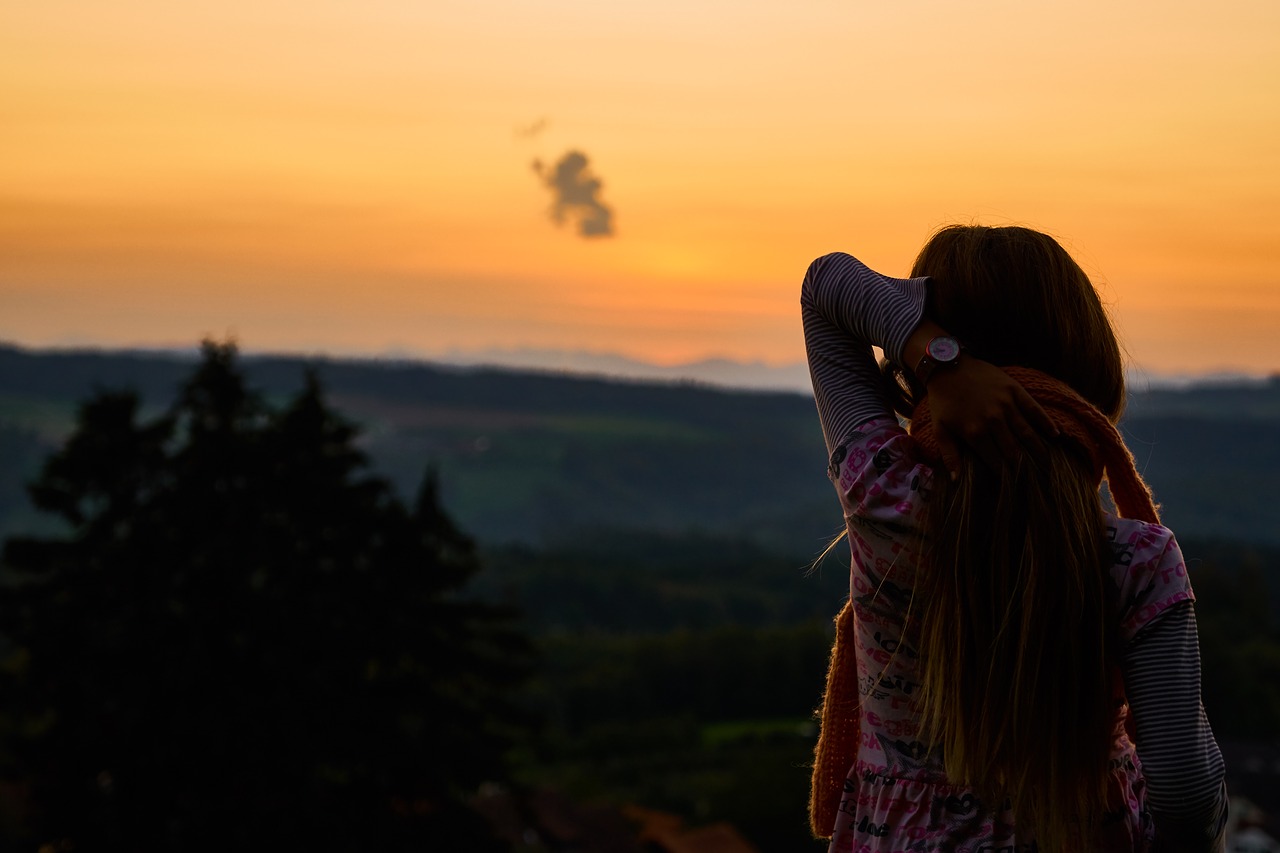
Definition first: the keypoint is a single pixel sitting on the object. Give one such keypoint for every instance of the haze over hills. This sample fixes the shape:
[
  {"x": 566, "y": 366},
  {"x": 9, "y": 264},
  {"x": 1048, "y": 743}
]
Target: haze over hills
[
  {"x": 712, "y": 371},
  {"x": 538, "y": 457},
  {"x": 749, "y": 374},
  {"x": 720, "y": 372}
]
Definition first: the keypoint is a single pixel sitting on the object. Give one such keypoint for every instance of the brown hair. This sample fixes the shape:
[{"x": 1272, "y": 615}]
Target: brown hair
[
  {"x": 1015, "y": 298},
  {"x": 1013, "y": 633}
]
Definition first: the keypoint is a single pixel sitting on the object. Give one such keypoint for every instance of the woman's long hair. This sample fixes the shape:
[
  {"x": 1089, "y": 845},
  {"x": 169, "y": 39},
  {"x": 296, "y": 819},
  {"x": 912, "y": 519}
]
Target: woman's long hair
[{"x": 1013, "y": 632}]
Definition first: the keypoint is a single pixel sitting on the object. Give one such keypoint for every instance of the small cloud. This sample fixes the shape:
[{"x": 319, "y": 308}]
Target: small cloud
[
  {"x": 529, "y": 131},
  {"x": 577, "y": 194}
]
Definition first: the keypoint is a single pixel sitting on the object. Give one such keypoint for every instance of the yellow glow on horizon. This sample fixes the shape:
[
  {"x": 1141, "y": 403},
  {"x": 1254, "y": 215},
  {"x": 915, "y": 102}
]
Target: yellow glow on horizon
[{"x": 350, "y": 176}]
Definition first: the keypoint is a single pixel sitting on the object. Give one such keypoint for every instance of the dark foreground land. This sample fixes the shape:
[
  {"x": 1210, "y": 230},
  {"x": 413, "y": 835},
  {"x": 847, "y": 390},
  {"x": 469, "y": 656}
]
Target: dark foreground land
[{"x": 656, "y": 540}]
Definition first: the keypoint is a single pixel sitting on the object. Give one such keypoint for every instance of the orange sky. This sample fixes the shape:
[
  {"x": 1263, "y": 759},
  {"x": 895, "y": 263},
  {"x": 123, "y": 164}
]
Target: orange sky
[{"x": 347, "y": 177}]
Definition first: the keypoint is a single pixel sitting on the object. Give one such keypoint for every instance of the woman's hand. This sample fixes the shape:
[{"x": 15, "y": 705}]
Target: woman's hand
[
  {"x": 974, "y": 404},
  {"x": 977, "y": 405}
]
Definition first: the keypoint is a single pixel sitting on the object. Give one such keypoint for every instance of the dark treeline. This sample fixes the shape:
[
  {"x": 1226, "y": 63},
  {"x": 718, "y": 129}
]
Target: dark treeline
[
  {"x": 632, "y": 582},
  {"x": 244, "y": 641},
  {"x": 645, "y": 604}
]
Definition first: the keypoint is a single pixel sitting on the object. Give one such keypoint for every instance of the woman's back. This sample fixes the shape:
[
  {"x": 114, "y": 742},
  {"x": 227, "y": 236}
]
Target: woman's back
[
  {"x": 897, "y": 795},
  {"x": 998, "y": 620}
]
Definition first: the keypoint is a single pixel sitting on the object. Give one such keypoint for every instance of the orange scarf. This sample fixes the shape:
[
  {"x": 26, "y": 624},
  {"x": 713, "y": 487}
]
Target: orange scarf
[{"x": 1080, "y": 422}]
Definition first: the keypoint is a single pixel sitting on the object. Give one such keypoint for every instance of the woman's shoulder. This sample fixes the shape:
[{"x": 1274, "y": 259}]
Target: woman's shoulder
[
  {"x": 880, "y": 473},
  {"x": 1149, "y": 571}
]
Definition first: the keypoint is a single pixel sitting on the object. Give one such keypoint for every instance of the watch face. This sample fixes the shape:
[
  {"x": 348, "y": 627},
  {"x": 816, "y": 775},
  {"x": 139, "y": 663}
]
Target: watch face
[{"x": 943, "y": 349}]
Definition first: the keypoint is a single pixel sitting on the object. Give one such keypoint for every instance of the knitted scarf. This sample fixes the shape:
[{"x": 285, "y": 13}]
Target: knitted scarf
[{"x": 1081, "y": 423}]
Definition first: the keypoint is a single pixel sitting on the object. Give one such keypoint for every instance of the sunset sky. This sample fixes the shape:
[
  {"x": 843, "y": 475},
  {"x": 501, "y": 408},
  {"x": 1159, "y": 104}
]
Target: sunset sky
[{"x": 348, "y": 177}]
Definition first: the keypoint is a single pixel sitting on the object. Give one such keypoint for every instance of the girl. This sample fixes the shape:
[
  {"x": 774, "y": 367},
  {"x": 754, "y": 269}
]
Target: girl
[{"x": 1017, "y": 667}]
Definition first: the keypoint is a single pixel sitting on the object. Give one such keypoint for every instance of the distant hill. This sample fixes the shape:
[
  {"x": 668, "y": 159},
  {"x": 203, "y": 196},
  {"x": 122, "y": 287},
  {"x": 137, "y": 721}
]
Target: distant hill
[
  {"x": 754, "y": 375},
  {"x": 535, "y": 457}
]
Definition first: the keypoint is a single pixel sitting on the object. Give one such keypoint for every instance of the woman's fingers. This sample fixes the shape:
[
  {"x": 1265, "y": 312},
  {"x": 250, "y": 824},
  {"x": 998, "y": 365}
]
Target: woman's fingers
[
  {"x": 1011, "y": 449},
  {"x": 1039, "y": 420},
  {"x": 950, "y": 453},
  {"x": 1002, "y": 436},
  {"x": 1030, "y": 436},
  {"x": 979, "y": 408},
  {"x": 995, "y": 445}
]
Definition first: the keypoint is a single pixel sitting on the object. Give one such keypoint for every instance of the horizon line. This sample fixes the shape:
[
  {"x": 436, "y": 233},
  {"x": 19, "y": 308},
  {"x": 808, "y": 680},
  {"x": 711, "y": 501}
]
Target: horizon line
[{"x": 714, "y": 370}]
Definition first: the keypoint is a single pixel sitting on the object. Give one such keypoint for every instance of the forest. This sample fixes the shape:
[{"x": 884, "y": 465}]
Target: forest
[{"x": 335, "y": 601}]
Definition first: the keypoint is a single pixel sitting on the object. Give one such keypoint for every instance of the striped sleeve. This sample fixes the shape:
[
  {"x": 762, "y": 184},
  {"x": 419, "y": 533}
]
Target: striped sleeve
[
  {"x": 847, "y": 308},
  {"x": 1180, "y": 759}
]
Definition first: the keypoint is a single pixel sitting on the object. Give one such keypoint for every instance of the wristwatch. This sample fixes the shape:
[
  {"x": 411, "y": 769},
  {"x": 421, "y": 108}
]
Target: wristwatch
[{"x": 941, "y": 351}]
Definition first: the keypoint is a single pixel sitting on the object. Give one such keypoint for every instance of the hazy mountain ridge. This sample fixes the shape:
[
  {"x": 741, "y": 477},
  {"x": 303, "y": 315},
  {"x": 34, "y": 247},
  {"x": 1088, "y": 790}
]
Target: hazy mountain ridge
[
  {"x": 538, "y": 457},
  {"x": 756, "y": 375},
  {"x": 720, "y": 372}
]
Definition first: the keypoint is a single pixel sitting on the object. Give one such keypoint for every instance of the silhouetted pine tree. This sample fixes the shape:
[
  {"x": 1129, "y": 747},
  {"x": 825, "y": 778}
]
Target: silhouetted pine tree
[{"x": 245, "y": 641}]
